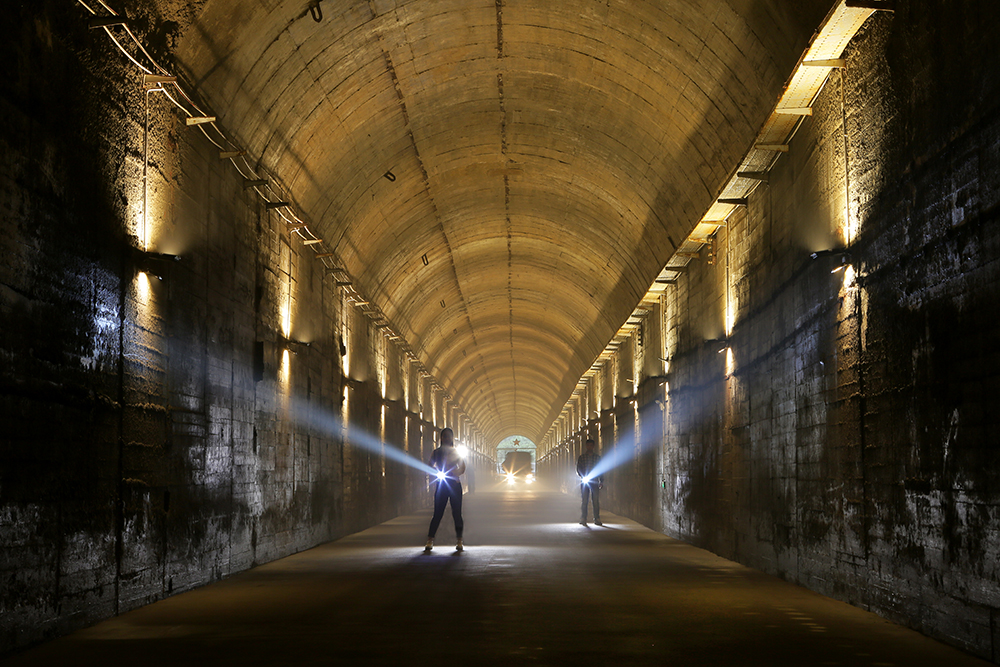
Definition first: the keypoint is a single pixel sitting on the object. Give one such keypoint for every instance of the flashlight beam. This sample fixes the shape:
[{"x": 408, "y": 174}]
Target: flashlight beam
[
  {"x": 323, "y": 421},
  {"x": 622, "y": 452}
]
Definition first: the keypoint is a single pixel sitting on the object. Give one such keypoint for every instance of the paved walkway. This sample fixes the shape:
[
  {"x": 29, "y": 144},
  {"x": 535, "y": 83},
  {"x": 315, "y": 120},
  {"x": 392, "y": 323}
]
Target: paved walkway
[{"x": 532, "y": 588}]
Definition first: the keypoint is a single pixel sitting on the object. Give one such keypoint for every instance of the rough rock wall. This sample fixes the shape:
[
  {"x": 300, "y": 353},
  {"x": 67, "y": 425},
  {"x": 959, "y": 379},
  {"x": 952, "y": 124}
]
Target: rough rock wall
[
  {"x": 156, "y": 434},
  {"x": 845, "y": 437}
]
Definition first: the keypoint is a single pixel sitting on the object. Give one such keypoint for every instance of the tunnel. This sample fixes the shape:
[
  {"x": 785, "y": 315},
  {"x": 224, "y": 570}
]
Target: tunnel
[{"x": 258, "y": 256}]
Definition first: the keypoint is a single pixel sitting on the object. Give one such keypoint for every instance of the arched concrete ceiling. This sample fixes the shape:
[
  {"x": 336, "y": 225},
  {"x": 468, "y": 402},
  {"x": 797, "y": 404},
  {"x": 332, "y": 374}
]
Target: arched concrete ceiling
[{"x": 547, "y": 156}]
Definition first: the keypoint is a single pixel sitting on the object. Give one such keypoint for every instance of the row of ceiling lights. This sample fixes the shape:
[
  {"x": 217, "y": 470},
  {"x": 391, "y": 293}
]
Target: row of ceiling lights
[
  {"x": 821, "y": 57},
  {"x": 158, "y": 79}
]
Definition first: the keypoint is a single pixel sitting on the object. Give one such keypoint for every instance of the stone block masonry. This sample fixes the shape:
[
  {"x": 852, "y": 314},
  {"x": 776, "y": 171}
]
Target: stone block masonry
[
  {"x": 851, "y": 445},
  {"x": 148, "y": 444}
]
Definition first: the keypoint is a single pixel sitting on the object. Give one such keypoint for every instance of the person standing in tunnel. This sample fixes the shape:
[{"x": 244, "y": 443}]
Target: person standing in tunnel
[
  {"x": 590, "y": 487},
  {"x": 450, "y": 466}
]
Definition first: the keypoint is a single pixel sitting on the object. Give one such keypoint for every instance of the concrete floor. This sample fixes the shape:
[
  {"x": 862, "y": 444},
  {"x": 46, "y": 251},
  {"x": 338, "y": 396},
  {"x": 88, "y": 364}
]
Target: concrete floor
[{"x": 532, "y": 587}]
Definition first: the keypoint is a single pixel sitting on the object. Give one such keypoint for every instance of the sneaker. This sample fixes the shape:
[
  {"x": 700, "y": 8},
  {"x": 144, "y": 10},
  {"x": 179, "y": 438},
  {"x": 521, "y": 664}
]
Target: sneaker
[
  {"x": 429, "y": 545},
  {"x": 582, "y": 522},
  {"x": 459, "y": 547},
  {"x": 598, "y": 523}
]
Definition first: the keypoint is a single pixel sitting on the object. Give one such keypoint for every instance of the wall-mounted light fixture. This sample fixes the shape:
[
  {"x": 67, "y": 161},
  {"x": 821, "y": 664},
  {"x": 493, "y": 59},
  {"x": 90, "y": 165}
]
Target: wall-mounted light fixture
[
  {"x": 842, "y": 258},
  {"x": 154, "y": 263},
  {"x": 843, "y": 263},
  {"x": 720, "y": 345},
  {"x": 294, "y": 346}
]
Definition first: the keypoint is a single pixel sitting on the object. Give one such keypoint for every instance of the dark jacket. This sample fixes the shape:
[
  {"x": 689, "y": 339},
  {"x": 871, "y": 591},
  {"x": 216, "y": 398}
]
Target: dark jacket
[
  {"x": 447, "y": 460},
  {"x": 586, "y": 463}
]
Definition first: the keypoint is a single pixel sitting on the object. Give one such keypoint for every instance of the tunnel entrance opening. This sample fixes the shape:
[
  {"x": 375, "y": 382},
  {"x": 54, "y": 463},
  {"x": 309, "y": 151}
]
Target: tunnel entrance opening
[{"x": 516, "y": 457}]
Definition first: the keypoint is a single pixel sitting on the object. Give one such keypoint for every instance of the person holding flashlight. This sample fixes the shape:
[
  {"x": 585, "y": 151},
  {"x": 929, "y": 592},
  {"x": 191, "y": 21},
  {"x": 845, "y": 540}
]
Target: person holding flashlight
[
  {"x": 590, "y": 485},
  {"x": 449, "y": 465}
]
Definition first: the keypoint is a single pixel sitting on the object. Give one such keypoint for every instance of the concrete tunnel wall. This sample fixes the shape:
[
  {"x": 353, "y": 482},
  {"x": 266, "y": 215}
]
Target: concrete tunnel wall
[
  {"x": 845, "y": 437},
  {"x": 848, "y": 446},
  {"x": 157, "y": 435}
]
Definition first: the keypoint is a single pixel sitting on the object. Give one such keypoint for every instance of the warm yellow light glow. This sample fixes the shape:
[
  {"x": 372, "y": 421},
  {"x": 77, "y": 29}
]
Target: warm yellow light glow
[
  {"x": 285, "y": 371},
  {"x": 381, "y": 436},
  {"x": 347, "y": 356},
  {"x": 345, "y": 413},
  {"x": 286, "y": 318},
  {"x": 849, "y": 277},
  {"x": 141, "y": 227},
  {"x": 142, "y": 288},
  {"x": 850, "y": 228},
  {"x": 730, "y": 362},
  {"x": 149, "y": 212}
]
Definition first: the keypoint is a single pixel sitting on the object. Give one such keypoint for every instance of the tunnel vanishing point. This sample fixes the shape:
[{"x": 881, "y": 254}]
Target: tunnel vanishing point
[{"x": 749, "y": 246}]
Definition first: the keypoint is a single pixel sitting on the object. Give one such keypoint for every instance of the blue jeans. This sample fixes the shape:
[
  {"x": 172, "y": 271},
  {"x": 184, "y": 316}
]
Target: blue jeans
[
  {"x": 447, "y": 490},
  {"x": 591, "y": 490}
]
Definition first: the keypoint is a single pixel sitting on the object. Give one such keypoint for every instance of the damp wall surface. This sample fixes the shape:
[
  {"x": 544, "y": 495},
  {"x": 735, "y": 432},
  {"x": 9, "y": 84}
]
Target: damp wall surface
[
  {"x": 843, "y": 435},
  {"x": 160, "y": 430}
]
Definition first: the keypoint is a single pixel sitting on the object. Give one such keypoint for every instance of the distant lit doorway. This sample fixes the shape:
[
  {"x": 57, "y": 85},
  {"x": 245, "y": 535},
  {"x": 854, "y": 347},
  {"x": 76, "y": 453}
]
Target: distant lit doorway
[{"x": 516, "y": 453}]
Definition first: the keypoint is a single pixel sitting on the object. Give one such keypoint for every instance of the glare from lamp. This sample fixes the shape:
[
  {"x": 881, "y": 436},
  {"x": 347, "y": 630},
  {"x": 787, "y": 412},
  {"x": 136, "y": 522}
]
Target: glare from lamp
[
  {"x": 286, "y": 318},
  {"x": 284, "y": 371},
  {"x": 849, "y": 277},
  {"x": 142, "y": 285}
]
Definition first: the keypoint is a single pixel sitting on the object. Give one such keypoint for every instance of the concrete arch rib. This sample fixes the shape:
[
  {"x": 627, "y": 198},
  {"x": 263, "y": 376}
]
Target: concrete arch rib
[{"x": 544, "y": 154}]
